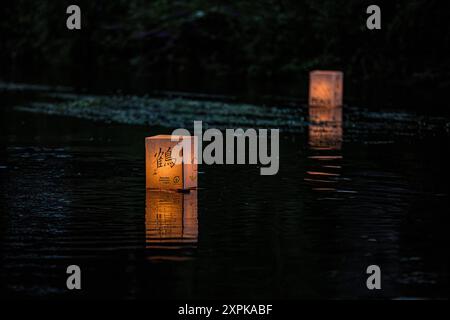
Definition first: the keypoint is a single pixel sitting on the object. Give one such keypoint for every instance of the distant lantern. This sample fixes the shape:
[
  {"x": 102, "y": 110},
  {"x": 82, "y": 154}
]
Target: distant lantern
[
  {"x": 171, "y": 217},
  {"x": 325, "y": 128},
  {"x": 163, "y": 171},
  {"x": 325, "y": 88}
]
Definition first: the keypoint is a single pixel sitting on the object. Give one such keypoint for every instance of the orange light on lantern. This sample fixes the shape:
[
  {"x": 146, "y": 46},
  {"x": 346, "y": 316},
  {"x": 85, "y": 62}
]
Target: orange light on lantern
[
  {"x": 325, "y": 128},
  {"x": 325, "y": 88},
  {"x": 162, "y": 169},
  {"x": 171, "y": 217}
]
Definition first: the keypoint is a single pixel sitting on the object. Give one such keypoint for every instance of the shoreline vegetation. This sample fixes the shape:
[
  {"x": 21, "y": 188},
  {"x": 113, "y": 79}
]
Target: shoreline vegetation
[{"x": 180, "y": 111}]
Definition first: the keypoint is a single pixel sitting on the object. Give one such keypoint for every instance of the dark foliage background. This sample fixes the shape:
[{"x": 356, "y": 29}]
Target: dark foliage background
[{"x": 260, "y": 47}]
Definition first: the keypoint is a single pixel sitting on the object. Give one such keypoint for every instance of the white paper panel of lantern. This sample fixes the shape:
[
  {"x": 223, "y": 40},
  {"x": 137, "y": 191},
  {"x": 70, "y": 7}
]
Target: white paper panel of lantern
[
  {"x": 162, "y": 171},
  {"x": 325, "y": 128}
]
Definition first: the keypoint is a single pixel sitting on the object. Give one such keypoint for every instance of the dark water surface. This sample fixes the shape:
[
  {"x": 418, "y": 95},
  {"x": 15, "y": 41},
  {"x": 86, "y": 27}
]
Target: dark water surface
[{"x": 72, "y": 191}]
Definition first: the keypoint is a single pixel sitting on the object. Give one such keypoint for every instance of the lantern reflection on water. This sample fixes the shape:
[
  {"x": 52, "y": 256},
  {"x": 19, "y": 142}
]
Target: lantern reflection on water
[
  {"x": 325, "y": 141},
  {"x": 325, "y": 88},
  {"x": 162, "y": 169},
  {"x": 171, "y": 217}
]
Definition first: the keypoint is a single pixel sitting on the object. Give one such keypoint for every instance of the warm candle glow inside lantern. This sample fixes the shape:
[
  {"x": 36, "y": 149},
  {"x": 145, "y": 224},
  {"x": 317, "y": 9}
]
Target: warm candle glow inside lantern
[
  {"x": 325, "y": 88},
  {"x": 162, "y": 171},
  {"x": 171, "y": 216},
  {"x": 325, "y": 129}
]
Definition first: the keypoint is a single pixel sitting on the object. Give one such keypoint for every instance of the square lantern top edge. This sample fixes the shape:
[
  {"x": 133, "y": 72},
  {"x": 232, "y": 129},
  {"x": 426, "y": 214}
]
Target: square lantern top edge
[{"x": 319, "y": 72}]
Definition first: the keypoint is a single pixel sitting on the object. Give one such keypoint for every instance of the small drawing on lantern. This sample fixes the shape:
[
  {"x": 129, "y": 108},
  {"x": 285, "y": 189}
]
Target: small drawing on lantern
[
  {"x": 325, "y": 88},
  {"x": 163, "y": 171}
]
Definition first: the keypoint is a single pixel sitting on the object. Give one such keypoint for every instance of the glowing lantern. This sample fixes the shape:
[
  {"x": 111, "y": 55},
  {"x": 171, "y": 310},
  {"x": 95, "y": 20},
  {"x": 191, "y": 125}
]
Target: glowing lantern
[
  {"x": 162, "y": 169},
  {"x": 325, "y": 129},
  {"x": 171, "y": 217},
  {"x": 325, "y": 88}
]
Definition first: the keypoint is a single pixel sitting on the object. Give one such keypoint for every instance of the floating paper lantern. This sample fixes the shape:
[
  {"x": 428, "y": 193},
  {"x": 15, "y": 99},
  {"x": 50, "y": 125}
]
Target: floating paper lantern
[
  {"x": 325, "y": 128},
  {"x": 162, "y": 169},
  {"x": 325, "y": 88},
  {"x": 171, "y": 217}
]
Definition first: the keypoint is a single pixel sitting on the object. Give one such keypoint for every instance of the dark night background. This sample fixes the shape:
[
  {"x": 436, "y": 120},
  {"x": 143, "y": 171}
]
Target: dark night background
[
  {"x": 358, "y": 185},
  {"x": 245, "y": 48}
]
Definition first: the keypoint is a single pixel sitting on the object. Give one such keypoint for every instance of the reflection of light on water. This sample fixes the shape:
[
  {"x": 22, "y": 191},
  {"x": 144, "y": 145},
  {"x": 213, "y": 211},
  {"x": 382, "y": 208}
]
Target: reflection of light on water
[
  {"x": 325, "y": 129},
  {"x": 171, "y": 221},
  {"x": 325, "y": 141},
  {"x": 325, "y": 88}
]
